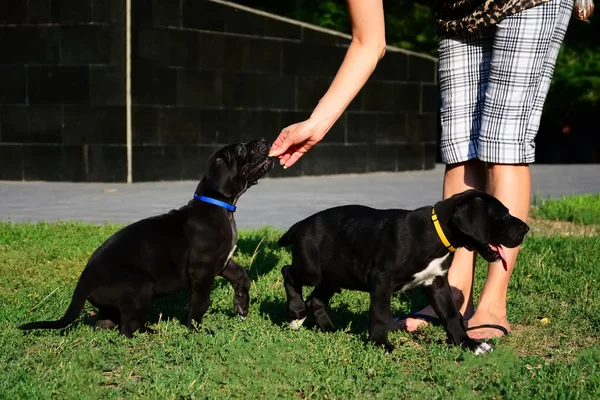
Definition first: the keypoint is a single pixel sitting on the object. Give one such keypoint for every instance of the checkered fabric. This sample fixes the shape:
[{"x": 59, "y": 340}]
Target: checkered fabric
[{"x": 493, "y": 85}]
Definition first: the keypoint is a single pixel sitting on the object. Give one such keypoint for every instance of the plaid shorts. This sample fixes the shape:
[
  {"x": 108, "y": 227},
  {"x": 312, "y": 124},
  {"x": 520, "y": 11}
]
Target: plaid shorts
[{"x": 493, "y": 85}]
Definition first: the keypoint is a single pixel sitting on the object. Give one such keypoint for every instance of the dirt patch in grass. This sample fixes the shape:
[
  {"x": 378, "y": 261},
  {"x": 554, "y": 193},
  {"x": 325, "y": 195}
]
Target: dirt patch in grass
[
  {"x": 529, "y": 340},
  {"x": 545, "y": 227}
]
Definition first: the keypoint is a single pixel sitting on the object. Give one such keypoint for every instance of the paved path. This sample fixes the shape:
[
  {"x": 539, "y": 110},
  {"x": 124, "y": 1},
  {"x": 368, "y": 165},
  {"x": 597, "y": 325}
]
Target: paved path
[{"x": 277, "y": 202}]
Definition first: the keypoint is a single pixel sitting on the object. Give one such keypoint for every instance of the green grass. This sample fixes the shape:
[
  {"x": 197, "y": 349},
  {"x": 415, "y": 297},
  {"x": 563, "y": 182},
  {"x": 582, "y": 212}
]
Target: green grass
[
  {"x": 582, "y": 209},
  {"x": 261, "y": 357}
]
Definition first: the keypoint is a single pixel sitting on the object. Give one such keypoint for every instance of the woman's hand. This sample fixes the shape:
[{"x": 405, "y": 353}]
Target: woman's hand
[{"x": 296, "y": 140}]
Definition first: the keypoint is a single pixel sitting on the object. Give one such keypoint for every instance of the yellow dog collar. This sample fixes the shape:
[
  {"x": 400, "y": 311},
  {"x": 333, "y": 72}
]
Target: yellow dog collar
[{"x": 440, "y": 232}]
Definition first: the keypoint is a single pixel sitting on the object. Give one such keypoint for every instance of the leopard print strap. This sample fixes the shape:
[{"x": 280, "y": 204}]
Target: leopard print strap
[{"x": 455, "y": 17}]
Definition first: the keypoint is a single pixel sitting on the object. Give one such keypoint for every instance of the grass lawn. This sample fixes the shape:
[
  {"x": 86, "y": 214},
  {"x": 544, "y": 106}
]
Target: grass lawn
[{"x": 553, "y": 352}]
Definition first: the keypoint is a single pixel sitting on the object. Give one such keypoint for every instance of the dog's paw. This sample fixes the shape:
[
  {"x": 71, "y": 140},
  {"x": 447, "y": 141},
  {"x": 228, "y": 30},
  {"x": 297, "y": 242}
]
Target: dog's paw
[
  {"x": 482, "y": 349},
  {"x": 389, "y": 348},
  {"x": 297, "y": 323},
  {"x": 477, "y": 347}
]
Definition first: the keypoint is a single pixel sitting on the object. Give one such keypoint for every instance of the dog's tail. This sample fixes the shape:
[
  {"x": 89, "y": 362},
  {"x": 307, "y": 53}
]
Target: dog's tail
[{"x": 77, "y": 302}]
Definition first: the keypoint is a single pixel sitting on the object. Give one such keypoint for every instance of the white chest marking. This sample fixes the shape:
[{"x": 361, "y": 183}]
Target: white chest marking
[
  {"x": 426, "y": 276},
  {"x": 230, "y": 255}
]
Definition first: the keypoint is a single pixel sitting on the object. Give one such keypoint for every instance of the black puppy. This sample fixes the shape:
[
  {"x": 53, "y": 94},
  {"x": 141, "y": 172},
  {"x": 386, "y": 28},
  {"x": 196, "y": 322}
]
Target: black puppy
[
  {"x": 387, "y": 251},
  {"x": 187, "y": 247}
]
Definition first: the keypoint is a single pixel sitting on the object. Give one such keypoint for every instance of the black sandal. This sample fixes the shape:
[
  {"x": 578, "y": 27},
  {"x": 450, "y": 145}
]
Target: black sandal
[{"x": 493, "y": 326}]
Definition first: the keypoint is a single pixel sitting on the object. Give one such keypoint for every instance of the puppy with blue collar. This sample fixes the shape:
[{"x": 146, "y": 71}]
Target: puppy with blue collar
[{"x": 184, "y": 248}]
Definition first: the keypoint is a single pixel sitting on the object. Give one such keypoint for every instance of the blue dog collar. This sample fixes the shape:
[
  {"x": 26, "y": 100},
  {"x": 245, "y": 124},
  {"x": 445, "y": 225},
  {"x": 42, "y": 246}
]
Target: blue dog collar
[{"x": 215, "y": 202}]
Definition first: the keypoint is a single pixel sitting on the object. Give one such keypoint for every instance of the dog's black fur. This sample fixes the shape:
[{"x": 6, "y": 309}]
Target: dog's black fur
[
  {"x": 187, "y": 247},
  {"x": 384, "y": 251}
]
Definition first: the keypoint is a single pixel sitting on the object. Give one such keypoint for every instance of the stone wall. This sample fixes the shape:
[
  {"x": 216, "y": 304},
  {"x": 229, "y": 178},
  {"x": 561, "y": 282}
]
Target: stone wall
[{"x": 204, "y": 73}]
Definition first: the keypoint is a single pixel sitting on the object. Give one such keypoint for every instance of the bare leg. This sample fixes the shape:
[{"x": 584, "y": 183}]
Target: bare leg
[
  {"x": 457, "y": 179},
  {"x": 511, "y": 184}
]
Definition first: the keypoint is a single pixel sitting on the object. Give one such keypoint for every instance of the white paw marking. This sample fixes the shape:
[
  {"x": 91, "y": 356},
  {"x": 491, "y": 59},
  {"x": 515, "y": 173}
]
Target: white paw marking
[
  {"x": 426, "y": 276},
  {"x": 297, "y": 323},
  {"x": 482, "y": 349}
]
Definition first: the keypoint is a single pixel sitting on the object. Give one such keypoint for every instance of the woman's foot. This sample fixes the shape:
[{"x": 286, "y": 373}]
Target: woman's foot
[
  {"x": 412, "y": 322},
  {"x": 483, "y": 318}
]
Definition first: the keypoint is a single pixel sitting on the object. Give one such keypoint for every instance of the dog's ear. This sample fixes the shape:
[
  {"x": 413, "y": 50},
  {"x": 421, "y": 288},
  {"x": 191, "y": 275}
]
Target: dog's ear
[
  {"x": 218, "y": 177},
  {"x": 471, "y": 218}
]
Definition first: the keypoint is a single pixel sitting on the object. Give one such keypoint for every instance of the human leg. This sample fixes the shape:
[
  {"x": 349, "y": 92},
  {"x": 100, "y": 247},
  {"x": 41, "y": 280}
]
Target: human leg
[{"x": 524, "y": 54}]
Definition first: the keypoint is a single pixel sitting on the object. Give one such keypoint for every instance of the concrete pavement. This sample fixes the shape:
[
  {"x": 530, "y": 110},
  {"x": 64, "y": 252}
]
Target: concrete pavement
[{"x": 277, "y": 202}]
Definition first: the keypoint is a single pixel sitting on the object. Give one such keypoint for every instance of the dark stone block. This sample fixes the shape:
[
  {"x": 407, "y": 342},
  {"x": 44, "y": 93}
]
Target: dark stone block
[
  {"x": 14, "y": 124},
  {"x": 32, "y": 124},
  {"x": 66, "y": 161},
  {"x": 166, "y": 13},
  {"x": 241, "y": 90},
  {"x": 407, "y": 96},
  {"x": 179, "y": 125},
  {"x": 155, "y": 163},
  {"x": 39, "y": 12},
  {"x": 310, "y": 89},
  {"x": 90, "y": 44},
  {"x": 334, "y": 159},
  {"x": 185, "y": 48},
  {"x": 390, "y": 97},
  {"x": 141, "y": 12},
  {"x": 107, "y": 85},
  {"x": 430, "y": 151},
  {"x": 276, "y": 91},
  {"x": 393, "y": 67},
  {"x": 13, "y": 12},
  {"x": 106, "y": 163},
  {"x": 204, "y": 15},
  {"x": 421, "y": 127},
  {"x": 111, "y": 11},
  {"x": 430, "y": 95},
  {"x": 152, "y": 45},
  {"x": 11, "y": 162},
  {"x": 144, "y": 121},
  {"x": 311, "y": 60},
  {"x": 193, "y": 162},
  {"x": 243, "y": 22},
  {"x": 362, "y": 128},
  {"x": 72, "y": 11},
  {"x": 200, "y": 88},
  {"x": 153, "y": 85},
  {"x": 93, "y": 125},
  {"x": 391, "y": 128},
  {"x": 421, "y": 69},
  {"x": 255, "y": 55},
  {"x": 212, "y": 51},
  {"x": 258, "y": 124},
  {"x": 58, "y": 84},
  {"x": 411, "y": 157},
  {"x": 382, "y": 158},
  {"x": 220, "y": 126},
  {"x": 45, "y": 124},
  {"x": 31, "y": 44},
  {"x": 275, "y": 28},
  {"x": 12, "y": 84},
  {"x": 314, "y": 36},
  {"x": 379, "y": 96}
]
